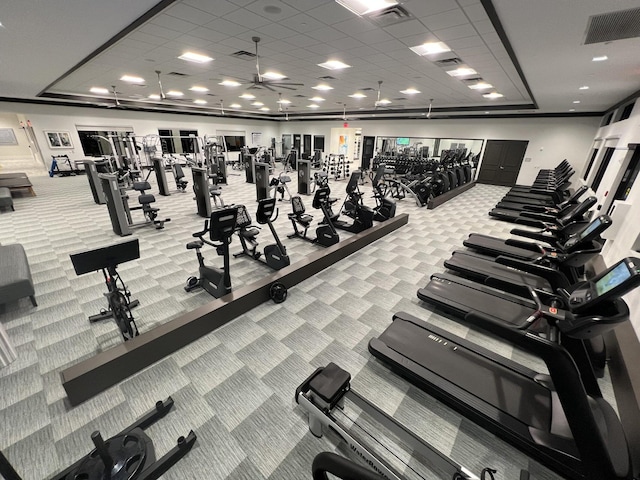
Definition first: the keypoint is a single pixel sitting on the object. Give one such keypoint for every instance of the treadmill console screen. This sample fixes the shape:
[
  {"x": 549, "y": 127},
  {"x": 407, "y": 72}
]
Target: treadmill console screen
[
  {"x": 614, "y": 278},
  {"x": 615, "y": 282},
  {"x": 590, "y": 228}
]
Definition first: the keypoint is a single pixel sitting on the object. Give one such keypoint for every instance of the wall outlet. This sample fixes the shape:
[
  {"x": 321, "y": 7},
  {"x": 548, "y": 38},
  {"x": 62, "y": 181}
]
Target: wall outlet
[{"x": 527, "y": 159}]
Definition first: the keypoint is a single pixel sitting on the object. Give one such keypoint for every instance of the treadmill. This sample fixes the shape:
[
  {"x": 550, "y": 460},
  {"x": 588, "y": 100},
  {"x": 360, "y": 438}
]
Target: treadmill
[
  {"x": 571, "y": 251},
  {"x": 512, "y": 202},
  {"x": 559, "y": 419},
  {"x": 534, "y": 219}
]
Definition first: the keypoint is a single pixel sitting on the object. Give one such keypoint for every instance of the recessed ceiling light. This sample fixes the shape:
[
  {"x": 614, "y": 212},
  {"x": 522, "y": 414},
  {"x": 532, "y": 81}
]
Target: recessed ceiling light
[
  {"x": 195, "y": 57},
  {"x": 196, "y": 88},
  {"x": 98, "y": 90},
  {"x": 462, "y": 72},
  {"x": 364, "y": 7},
  {"x": 576, "y": 101},
  {"x": 487, "y": 112},
  {"x": 154, "y": 96},
  {"x": 480, "y": 86},
  {"x": 430, "y": 48},
  {"x": 273, "y": 76},
  {"x": 384, "y": 101},
  {"x": 230, "y": 83},
  {"x": 572, "y": 109},
  {"x": 493, "y": 95},
  {"x": 265, "y": 109},
  {"x": 247, "y": 96},
  {"x": 584, "y": 87},
  {"x": 323, "y": 86},
  {"x": 284, "y": 101},
  {"x": 313, "y": 105},
  {"x": 200, "y": 102},
  {"x": 257, "y": 104},
  {"x": 235, "y": 105},
  {"x": 601, "y": 58},
  {"x": 317, "y": 99},
  {"x": 132, "y": 79},
  {"x": 175, "y": 93},
  {"x": 334, "y": 65},
  {"x": 358, "y": 95},
  {"x": 410, "y": 91}
]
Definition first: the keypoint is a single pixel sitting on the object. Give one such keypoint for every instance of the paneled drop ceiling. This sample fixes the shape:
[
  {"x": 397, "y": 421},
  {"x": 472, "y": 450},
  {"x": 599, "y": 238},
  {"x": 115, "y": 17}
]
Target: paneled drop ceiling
[{"x": 533, "y": 53}]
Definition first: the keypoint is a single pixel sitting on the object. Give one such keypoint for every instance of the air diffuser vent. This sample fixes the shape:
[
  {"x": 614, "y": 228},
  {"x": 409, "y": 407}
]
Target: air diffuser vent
[
  {"x": 243, "y": 54},
  {"x": 613, "y": 26},
  {"x": 327, "y": 77},
  {"x": 178, "y": 74},
  {"x": 449, "y": 62},
  {"x": 390, "y": 16},
  {"x": 300, "y": 96},
  {"x": 367, "y": 89}
]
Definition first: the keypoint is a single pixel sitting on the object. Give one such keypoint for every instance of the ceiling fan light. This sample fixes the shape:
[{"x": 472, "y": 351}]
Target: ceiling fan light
[
  {"x": 230, "y": 83},
  {"x": 284, "y": 101},
  {"x": 195, "y": 57},
  {"x": 365, "y": 7},
  {"x": 317, "y": 99},
  {"x": 196, "y": 88},
  {"x": 384, "y": 101},
  {"x": 265, "y": 109},
  {"x": 273, "y": 76}
]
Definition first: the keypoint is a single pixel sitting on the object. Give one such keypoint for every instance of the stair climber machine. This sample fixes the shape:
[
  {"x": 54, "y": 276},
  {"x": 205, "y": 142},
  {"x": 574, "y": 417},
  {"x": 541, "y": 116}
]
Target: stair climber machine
[
  {"x": 324, "y": 395},
  {"x": 385, "y": 207},
  {"x": 275, "y": 254},
  {"x": 215, "y": 281},
  {"x": 560, "y": 419},
  {"x": 353, "y": 207},
  {"x": 326, "y": 234}
]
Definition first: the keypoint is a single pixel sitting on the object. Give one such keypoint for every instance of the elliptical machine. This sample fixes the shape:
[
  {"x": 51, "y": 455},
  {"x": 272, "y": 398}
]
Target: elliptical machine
[
  {"x": 353, "y": 207},
  {"x": 385, "y": 207},
  {"x": 326, "y": 234},
  {"x": 220, "y": 226},
  {"x": 275, "y": 255}
]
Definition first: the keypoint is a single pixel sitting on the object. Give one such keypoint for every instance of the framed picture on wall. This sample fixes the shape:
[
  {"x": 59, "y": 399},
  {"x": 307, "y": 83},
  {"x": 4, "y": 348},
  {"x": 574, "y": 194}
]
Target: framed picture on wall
[{"x": 58, "y": 139}]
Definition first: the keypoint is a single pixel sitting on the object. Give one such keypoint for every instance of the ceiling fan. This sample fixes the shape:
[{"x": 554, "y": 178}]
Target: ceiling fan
[
  {"x": 259, "y": 81},
  {"x": 380, "y": 103},
  {"x": 163, "y": 96}
]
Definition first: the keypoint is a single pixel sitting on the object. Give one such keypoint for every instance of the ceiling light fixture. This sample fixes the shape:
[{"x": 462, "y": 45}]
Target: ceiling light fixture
[
  {"x": 313, "y": 105},
  {"x": 175, "y": 93},
  {"x": 492, "y": 95},
  {"x": 273, "y": 76},
  {"x": 230, "y": 83},
  {"x": 235, "y": 105},
  {"x": 384, "y": 101},
  {"x": 358, "y": 95},
  {"x": 334, "y": 65},
  {"x": 284, "y": 101},
  {"x": 248, "y": 96},
  {"x": 195, "y": 57},
  {"x": 480, "y": 86},
  {"x": 98, "y": 90},
  {"x": 323, "y": 87},
  {"x": 257, "y": 104},
  {"x": 364, "y": 7},
  {"x": 317, "y": 99},
  {"x": 584, "y": 87},
  {"x": 154, "y": 96},
  {"x": 430, "y": 48},
  {"x": 196, "y": 88},
  {"x": 200, "y": 102},
  {"x": 601, "y": 58},
  {"x": 265, "y": 109},
  {"x": 410, "y": 91},
  {"x": 462, "y": 72},
  {"x": 132, "y": 79},
  {"x": 572, "y": 109},
  {"x": 576, "y": 101}
]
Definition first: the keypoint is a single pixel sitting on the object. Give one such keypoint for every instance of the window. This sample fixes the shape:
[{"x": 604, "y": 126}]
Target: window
[
  {"x": 188, "y": 144},
  {"x": 593, "y": 157},
  {"x": 608, "y": 153},
  {"x": 626, "y": 111},
  {"x": 234, "y": 142},
  {"x": 318, "y": 142},
  {"x": 606, "y": 120},
  {"x": 167, "y": 143},
  {"x": 99, "y": 143}
]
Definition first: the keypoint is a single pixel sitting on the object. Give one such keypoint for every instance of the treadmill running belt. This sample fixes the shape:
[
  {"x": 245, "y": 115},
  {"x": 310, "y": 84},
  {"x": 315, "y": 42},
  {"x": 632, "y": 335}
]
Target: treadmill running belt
[
  {"x": 509, "y": 391},
  {"x": 497, "y": 246}
]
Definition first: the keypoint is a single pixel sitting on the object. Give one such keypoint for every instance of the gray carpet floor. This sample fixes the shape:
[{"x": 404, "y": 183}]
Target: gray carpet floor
[{"x": 235, "y": 386}]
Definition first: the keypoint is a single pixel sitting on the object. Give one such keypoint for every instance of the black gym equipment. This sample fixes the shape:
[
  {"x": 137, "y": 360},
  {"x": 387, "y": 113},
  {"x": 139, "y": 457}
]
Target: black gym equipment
[
  {"x": 278, "y": 292},
  {"x": 201, "y": 191},
  {"x": 559, "y": 419},
  {"x": 353, "y": 207},
  {"x": 512, "y": 202},
  {"x": 119, "y": 300},
  {"x": 275, "y": 254},
  {"x": 221, "y": 225},
  {"x": 304, "y": 177},
  {"x": 161, "y": 176},
  {"x": 178, "y": 175},
  {"x": 571, "y": 213},
  {"x": 385, "y": 207},
  {"x": 248, "y": 160},
  {"x": 94, "y": 181},
  {"x": 261, "y": 171},
  {"x": 326, "y": 234},
  {"x": 129, "y": 455},
  {"x": 323, "y": 396}
]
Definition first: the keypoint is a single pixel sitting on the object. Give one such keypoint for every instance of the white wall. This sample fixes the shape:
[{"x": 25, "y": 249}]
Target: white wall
[
  {"x": 14, "y": 152},
  {"x": 550, "y": 139}
]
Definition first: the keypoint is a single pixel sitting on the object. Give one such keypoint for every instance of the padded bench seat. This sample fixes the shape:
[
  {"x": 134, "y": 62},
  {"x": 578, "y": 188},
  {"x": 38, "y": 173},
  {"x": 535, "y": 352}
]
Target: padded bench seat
[
  {"x": 15, "y": 281},
  {"x": 5, "y": 198}
]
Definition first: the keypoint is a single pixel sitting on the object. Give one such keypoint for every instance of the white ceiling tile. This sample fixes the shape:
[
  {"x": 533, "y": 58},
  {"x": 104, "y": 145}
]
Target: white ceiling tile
[
  {"x": 276, "y": 31},
  {"x": 484, "y": 26},
  {"x": 189, "y": 14},
  {"x": 301, "y": 41},
  {"x": 207, "y": 34},
  {"x": 218, "y": 8},
  {"x": 326, "y": 34},
  {"x": 304, "y": 5},
  {"x": 423, "y": 8},
  {"x": 173, "y": 23},
  {"x": 465, "y": 42},
  {"x": 476, "y": 12},
  {"x": 246, "y": 19},
  {"x": 460, "y": 31},
  {"x": 444, "y": 20},
  {"x": 345, "y": 43},
  {"x": 193, "y": 41},
  {"x": 229, "y": 28},
  {"x": 242, "y": 3},
  {"x": 329, "y": 14},
  {"x": 413, "y": 40},
  {"x": 286, "y": 11},
  {"x": 472, "y": 51},
  {"x": 354, "y": 26},
  {"x": 371, "y": 37},
  {"x": 157, "y": 31},
  {"x": 390, "y": 46},
  {"x": 303, "y": 23},
  {"x": 406, "y": 29},
  {"x": 322, "y": 49},
  {"x": 491, "y": 37}
]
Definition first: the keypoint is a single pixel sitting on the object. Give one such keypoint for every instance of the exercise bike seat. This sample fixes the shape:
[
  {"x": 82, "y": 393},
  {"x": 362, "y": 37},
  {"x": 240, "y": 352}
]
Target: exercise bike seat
[
  {"x": 146, "y": 199},
  {"x": 195, "y": 244},
  {"x": 249, "y": 233}
]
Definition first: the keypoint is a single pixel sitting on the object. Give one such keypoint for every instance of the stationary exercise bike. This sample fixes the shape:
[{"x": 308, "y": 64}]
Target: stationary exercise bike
[
  {"x": 326, "y": 234},
  {"x": 275, "y": 255},
  {"x": 352, "y": 207},
  {"x": 385, "y": 207},
  {"x": 220, "y": 226}
]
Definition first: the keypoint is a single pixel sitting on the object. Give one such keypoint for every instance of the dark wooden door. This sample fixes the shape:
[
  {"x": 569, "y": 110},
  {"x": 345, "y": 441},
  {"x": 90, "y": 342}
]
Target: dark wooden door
[
  {"x": 501, "y": 161},
  {"x": 296, "y": 143},
  {"x": 368, "y": 147}
]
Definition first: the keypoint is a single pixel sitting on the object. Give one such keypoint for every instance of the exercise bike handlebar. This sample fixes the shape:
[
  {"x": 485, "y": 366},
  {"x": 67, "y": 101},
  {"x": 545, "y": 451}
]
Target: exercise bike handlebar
[{"x": 201, "y": 234}]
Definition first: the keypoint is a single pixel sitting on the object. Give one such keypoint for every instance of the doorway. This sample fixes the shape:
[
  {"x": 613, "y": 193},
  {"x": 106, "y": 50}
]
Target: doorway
[
  {"x": 501, "y": 162},
  {"x": 368, "y": 147},
  {"x": 628, "y": 179},
  {"x": 306, "y": 142},
  {"x": 297, "y": 138}
]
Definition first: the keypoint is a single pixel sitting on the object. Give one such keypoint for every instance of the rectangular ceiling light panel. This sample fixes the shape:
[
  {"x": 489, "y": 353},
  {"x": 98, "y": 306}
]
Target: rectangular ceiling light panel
[{"x": 365, "y": 7}]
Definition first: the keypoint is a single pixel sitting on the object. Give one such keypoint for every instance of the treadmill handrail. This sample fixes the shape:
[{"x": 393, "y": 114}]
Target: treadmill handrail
[
  {"x": 555, "y": 277},
  {"x": 327, "y": 462},
  {"x": 568, "y": 386},
  {"x": 533, "y": 247}
]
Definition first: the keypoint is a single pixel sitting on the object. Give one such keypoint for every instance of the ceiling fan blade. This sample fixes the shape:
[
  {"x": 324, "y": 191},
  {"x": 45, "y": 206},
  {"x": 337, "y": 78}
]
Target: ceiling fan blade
[
  {"x": 287, "y": 83},
  {"x": 282, "y": 86},
  {"x": 268, "y": 87}
]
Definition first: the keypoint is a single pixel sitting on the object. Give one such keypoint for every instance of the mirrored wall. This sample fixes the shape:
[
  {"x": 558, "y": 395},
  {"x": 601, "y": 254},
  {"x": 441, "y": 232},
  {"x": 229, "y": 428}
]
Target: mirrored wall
[{"x": 425, "y": 147}]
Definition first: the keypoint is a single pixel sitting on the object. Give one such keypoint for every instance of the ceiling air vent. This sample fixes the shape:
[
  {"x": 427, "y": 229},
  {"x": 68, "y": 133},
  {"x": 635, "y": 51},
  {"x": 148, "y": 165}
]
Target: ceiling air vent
[
  {"x": 390, "y": 16},
  {"x": 178, "y": 74},
  {"x": 300, "y": 96},
  {"x": 327, "y": 77},
  {"x": 243, "y": 54},
  {"x": 367, "y": 89},
  {"x": 449, "y": 62},
  {"x": 399, "y": 99},
  {"x": 613, "y": 26}
]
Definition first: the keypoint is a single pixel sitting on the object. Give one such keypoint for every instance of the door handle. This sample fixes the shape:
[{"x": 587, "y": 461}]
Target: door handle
[{"x": 501, "y": 167}]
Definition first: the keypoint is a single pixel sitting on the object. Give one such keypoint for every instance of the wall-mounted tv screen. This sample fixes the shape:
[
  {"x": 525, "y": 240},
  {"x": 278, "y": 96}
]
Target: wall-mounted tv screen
[{"x": 402, "y": 141}]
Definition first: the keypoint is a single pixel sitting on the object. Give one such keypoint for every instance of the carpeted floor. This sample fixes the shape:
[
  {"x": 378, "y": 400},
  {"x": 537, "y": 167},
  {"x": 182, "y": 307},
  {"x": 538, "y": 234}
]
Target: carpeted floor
[{"x": 235, "y": 386}]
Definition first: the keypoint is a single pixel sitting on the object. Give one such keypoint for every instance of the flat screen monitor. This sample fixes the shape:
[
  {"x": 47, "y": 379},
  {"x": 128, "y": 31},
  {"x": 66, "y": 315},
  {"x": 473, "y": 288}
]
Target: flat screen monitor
[
  {"x": 402, "y": 141},
  {"x": 614, "y": 278}
]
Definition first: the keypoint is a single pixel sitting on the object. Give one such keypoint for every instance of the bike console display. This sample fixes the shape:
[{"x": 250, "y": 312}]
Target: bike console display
[{"x": 105, "y": 257}]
